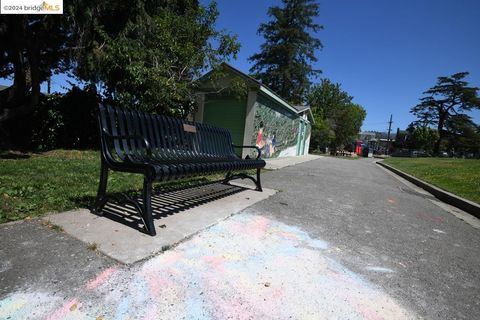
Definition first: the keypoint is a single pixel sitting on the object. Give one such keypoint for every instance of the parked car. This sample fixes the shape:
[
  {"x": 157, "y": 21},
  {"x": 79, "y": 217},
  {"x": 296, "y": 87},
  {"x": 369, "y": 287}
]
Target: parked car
[
  {"x": 443, "y": 154},
  {"x": 419, "y": 153},
  {"x": 401, "y": 153}
]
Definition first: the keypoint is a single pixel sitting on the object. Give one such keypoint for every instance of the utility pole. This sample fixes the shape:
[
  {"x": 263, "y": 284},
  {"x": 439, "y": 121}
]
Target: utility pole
[{"x": 388, "y": 135}]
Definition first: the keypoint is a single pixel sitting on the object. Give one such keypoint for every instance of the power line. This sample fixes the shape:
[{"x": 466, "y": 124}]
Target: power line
[{"x": 388, "y": 135}]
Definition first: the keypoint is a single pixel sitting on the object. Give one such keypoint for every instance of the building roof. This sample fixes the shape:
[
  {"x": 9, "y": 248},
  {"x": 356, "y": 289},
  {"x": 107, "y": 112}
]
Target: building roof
[
  {"x": 262, "y": 88},
  {"x": 301, "y": 108}
]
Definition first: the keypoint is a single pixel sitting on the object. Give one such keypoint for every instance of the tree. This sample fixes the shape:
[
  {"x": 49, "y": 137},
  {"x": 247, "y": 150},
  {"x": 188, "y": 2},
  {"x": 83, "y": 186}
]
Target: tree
[
  {"x": 284, "y": 63},
  {"x": 31, "y": 49},
  {"x": 449, "y": 97},
  {"x": 322, "y": 134},
  {"x": 348, "y": 122},
  {"x": 340, "y": 118},
  {"x": 421, "y": 137},
  {"x": 148, "y": 53},
  {"x": 463, "y": 135}
]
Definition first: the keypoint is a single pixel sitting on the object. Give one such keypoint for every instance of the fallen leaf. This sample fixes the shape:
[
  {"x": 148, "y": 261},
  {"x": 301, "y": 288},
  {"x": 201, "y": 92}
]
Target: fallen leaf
[{"x": 73, "y": 307}]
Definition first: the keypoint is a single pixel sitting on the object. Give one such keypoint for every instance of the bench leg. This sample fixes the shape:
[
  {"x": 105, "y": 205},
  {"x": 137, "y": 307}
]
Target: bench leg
[
  {"x": 101, "y": 199},
  {"x": 147, "y": 206},
  {"x": 227, "y": 177},
  {"x": 258, "y": 182}
]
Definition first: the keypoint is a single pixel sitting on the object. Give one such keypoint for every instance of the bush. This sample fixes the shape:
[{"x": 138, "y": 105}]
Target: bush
[
  {"x": 80, "y": 130},
  {"x": 47, "y": 123},
  {"x": 65, "y": 121}
]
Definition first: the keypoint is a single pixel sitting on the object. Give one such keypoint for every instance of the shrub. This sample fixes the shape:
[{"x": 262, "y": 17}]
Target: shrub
[{"x": 59, "y": 121}]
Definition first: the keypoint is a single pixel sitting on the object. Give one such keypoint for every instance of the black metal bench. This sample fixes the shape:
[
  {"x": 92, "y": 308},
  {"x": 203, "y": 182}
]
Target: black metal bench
[{"x": 163, "y": 148}]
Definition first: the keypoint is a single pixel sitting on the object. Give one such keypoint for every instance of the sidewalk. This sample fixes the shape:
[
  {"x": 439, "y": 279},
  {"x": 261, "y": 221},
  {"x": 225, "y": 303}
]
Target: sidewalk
[{"x": 278, "y": 163}]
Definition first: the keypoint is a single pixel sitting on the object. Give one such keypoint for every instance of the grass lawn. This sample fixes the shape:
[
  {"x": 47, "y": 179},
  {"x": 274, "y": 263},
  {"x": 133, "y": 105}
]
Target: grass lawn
[
  {"x": 35, "y": 184},
  {"x": 459, "y": 176}
]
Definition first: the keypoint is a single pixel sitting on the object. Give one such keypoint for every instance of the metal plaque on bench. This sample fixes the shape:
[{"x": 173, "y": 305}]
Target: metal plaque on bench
[{"x": 189, "y": 128}]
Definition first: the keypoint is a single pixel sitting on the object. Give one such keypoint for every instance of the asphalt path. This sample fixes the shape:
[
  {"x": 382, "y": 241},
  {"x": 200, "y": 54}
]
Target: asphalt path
[
  {"x": 386, "y": 231},
  {"x": 342, "y": 239}
]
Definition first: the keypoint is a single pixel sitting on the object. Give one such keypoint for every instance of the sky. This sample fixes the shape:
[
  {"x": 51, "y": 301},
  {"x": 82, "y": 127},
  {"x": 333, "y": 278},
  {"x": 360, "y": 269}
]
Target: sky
[{"x": 384, "y": 53}]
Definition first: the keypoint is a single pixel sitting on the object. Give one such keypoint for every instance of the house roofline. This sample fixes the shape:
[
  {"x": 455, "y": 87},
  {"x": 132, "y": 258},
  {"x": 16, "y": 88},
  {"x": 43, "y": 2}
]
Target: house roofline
[{"x": 263, "y": 88}]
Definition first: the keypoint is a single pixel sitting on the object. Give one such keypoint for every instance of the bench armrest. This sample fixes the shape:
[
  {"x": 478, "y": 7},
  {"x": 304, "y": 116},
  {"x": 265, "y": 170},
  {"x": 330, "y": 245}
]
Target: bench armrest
[
  {"x": 250, "y": 147},
  {"x": 130, "y": 136}
]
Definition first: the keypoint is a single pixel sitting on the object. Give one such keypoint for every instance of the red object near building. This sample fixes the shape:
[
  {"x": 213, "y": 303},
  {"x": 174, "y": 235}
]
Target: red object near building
[{"x": 358, "y": 147}]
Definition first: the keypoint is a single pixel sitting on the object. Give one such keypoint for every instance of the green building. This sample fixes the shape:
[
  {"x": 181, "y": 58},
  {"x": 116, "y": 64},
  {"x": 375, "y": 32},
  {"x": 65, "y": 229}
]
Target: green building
[{"x": 260, "y": 117}]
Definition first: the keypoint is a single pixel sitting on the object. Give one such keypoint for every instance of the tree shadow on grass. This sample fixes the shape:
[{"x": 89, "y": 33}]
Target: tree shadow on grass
[{"x": 13, "y": 156}]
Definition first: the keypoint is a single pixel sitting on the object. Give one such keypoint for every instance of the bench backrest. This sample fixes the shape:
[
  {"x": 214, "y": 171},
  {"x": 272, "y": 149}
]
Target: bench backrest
[{"x": 169, "y": 139}]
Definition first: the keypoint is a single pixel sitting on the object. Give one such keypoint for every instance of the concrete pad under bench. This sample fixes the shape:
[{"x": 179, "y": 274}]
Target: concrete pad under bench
[{"x": 117, "y": 235}]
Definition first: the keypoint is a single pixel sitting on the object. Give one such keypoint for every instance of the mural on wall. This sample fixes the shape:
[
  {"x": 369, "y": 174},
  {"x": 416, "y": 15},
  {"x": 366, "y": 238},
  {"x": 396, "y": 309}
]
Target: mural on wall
[
  {"x": 275, "y": 132},
  {"x": 308, "y": 133}
]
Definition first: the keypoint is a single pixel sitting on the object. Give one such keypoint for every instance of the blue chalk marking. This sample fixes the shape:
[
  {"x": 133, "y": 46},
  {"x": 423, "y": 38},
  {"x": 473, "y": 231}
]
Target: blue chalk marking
[
  {"x": 195, "y": 309},
  {"x": 318, "y": 244}
]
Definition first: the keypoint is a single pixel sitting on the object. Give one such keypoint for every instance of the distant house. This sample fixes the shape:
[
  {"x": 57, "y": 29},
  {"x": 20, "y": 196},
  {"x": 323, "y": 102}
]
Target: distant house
[
  {"x": 366, "y": 136},
  {"x": 378, "y": 142},
  {"x": 261, "y": 117}
]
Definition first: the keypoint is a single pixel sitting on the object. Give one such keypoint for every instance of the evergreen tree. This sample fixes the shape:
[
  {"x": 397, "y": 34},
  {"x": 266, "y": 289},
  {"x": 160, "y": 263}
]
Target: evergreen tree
[
  {"x": 463, "y": 135},
  {"x": 449, "y": 97},
  {"x": 285, "y": 61}
]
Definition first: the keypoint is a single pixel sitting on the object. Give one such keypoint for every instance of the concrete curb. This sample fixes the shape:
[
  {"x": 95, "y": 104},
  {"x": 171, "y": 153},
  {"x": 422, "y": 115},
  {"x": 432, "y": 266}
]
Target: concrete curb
[{"x": 445, "y": 196}]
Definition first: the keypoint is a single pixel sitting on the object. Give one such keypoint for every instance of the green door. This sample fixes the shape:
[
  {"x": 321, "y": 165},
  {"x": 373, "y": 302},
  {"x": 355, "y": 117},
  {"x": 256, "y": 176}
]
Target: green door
[{"x": 226, "y": 113}]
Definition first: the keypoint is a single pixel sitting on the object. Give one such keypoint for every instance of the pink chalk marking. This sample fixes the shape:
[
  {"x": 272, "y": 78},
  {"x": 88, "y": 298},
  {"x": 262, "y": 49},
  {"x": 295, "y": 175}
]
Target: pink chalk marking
[
  {"x": 240, "y": 308},
  {"x": 169, "y": 258},
  {"x": 156, "y": 282},
  {"x": 368, "y": 313},
  {"x": 215, "y": 261},
  {"x": 278, "y": 294},
  {"x": 429, "y": 217},
  {"x": 151, "y": 313},
  {"x": 289, "y": 235},
  {"x": 64, "y": 310},
  {"x": 258, "y": 227},
  {"x": 101, "y": 278},
  {"x": 392, "y": 200}
]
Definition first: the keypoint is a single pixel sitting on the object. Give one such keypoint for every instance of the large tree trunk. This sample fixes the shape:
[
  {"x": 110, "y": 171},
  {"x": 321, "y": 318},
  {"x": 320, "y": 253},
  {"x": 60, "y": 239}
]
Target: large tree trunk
[
  {"x": 19, "y": 101},
  {"x": 34, "y": 57}
]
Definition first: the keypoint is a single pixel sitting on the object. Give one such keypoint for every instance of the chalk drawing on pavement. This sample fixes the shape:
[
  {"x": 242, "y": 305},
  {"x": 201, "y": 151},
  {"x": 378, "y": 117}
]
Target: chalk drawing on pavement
[{"x": 246, "y": 267}]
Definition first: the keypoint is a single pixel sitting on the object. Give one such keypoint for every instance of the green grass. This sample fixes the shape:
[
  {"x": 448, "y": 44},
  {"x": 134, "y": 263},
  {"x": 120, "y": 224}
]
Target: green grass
[
  {"x": 35, "y": 184},
  {"x": 459, "y": 176}
]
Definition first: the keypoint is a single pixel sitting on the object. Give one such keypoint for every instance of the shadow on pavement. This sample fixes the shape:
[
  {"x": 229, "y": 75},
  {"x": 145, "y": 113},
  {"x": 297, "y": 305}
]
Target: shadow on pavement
[{"x": 168, "y": 202}]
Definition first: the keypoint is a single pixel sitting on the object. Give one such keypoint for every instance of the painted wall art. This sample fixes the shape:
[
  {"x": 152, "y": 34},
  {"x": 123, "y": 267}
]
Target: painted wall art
[{"x": 275, "y": 132}]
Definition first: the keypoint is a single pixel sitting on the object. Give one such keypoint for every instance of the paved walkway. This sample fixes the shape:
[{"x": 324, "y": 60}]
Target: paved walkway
[
  {"x": 279, "y": 163},
  {"x": 341, "y": 239}
]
